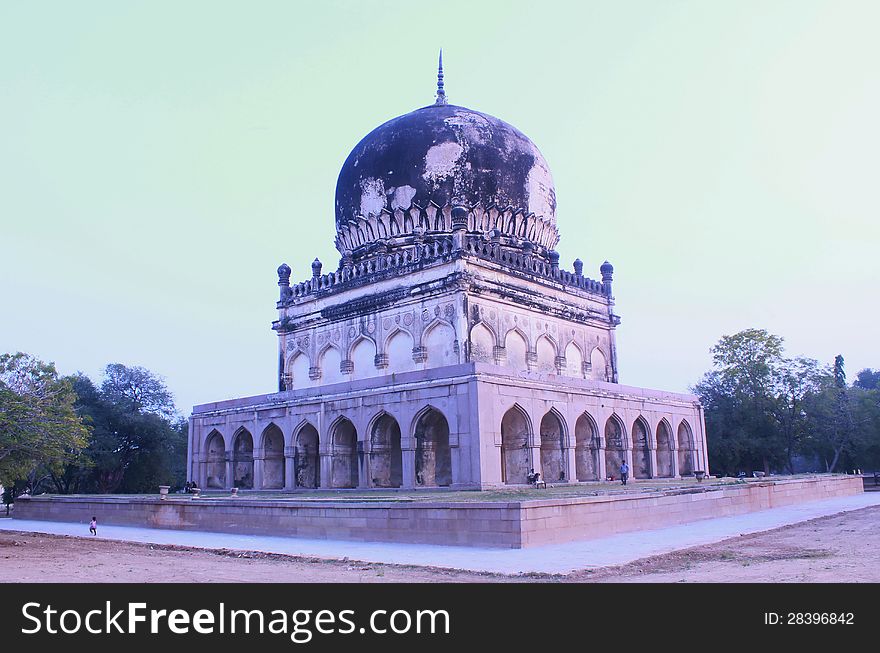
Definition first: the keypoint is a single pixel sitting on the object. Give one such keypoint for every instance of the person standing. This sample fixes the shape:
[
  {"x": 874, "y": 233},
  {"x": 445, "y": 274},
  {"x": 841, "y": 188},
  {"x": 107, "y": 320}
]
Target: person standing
[
  {"x": 624, "y": 472},
  {"x": 93, "y": 526}
]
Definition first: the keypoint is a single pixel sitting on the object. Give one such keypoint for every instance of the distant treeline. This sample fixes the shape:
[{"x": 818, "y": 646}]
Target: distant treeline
[{"x": 765, "y": 411}]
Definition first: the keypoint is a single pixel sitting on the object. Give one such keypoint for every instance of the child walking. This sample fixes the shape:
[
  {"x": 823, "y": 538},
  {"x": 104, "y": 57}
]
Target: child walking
[{"x": 93, "y": 526}]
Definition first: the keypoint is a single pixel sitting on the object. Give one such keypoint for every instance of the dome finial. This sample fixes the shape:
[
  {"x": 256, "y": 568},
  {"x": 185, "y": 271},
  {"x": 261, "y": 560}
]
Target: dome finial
[{"x": 441, "y": 93}]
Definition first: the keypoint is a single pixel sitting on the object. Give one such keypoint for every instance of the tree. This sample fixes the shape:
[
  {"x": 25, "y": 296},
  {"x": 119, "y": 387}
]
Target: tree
[
  {"x": 868, "y": 379},
  {"x": 740, "y": 398},
  {"x": 38, "y": 423},
  {"x": 142, "y": 390}
]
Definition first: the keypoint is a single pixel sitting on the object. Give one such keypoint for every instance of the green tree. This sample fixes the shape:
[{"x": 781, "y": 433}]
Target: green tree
[
  {"x": 39, "y": 427},
  {"x": 740, "y": 400}
]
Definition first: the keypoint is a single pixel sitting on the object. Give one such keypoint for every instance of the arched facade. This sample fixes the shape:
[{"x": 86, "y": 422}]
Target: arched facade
[
  {"x": 516, "y": 434},
  {"x": 386, "y": 458},
  {"x": 344, "y": 459},
  {"x": 216, "y": 461},
  {"x": 516, "y": 348},
  {"x": 553, "y": 453},
  {"x": 685, "y": 449},
  {"x": 307, "y": 459},
  {"x": 433, "y": 458},
  {"x": 243, "y": 459},
  {"x": 641, "y": 450},
  {"x": 586, "y": 451},
  {"x": 273, "y": 458},
  {"x": 665, "y": 450},
  {"x": 615, "y": 452}
]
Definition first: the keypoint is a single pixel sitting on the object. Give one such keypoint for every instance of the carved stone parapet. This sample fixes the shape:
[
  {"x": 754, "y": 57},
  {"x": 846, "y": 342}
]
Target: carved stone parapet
[
  {"x": 560, "y": 364},
  {"x": 314, "y": 373},
  {"x": 346, "y": 366},
  {"x": 381, "y": 361}
]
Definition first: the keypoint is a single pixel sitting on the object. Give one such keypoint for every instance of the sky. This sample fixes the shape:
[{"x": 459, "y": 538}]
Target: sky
[{"x": 159, "y": 160}]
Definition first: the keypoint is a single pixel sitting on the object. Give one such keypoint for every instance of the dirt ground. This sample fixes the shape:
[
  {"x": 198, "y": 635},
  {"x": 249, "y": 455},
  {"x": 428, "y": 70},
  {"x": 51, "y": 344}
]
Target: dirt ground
[{"x": 840, "y": 548}]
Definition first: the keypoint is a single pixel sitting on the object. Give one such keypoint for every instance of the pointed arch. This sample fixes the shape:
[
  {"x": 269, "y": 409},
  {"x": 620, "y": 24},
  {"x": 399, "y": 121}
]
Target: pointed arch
[
  {"x": 614, "y": 445},
  {"x": 306, "y": 458},
  {"x": 546, "y": 350},
  {"x": 598, "y": 364},
  {"x": 297, "y": 370},
  {"x": 399, "y": 349},
  {"x": 586, "y": 449},
  {"x": 574, "y": 360},
  {"x": 516, "y": 435},
  {"x": 439, "y": 343},
  {"x": 641, "y": 448},
  {"x": 330, "y": 361},
  {"x": 685, "y": 449},
  {"x": 215, "y": 448},
  {"x": 362, "y": 354},
  {"x": 386, "y": 457},
  {"x": 553, "y": 458},
  {"x": 343, "y": 450},
  {"x": 665, "y": 449},
  {"x": 483, "y": 342},
  {"x": 243, "y": 459},
  {"x": 433, "y": 457},
  {"x": 516, "y": 346},
  {"x": 272, "y": 444}
]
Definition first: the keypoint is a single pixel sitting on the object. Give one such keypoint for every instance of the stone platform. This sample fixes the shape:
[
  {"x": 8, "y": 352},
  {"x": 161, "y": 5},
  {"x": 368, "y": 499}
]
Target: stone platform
[{"x": 490, "y": 523}]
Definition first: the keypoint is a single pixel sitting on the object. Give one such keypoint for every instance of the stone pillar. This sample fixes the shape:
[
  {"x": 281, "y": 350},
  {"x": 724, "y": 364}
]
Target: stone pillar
[
  {"x": 652, "y": 460},
  {"x": 675, "y": 470},
  {"x": 363, "y": 459},
  {"x": 570, "y": 463},
  {"x": 601, "y": 472},
  {"x": 258, "y": 469},
  {"x": 409, "y": 468},
  {"x": 230, "y": 470},
  {"x": 326, "y": 469},
  {"x": 202, "y": 466},
  {"x": 289, "y": 471}
]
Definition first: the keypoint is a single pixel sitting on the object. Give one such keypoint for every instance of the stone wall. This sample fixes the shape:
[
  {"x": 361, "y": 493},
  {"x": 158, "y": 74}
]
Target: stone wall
[{"x": 502, "y": 524}]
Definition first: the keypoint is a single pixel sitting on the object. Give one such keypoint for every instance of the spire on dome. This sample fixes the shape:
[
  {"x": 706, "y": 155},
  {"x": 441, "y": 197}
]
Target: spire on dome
[{"x": 441, "y": 93}]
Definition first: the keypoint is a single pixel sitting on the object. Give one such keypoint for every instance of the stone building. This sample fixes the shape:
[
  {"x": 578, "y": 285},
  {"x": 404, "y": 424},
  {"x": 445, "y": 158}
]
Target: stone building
[{"x": 448, "y": 348}]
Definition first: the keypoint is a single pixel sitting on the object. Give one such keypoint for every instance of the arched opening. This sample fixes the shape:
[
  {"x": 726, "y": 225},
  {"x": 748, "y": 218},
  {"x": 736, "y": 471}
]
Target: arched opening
[
  {"x": 664, "y": 450},
  {"x": 574, "y": 361},
  {"x": 243, "y": 460},
  {"x": 216, "y": 472},
  {"x": 641, "y": 453},
  {"x": 307, "y": 460},
  {"x": 440, "y": 345},
  {"x": 433, "y": 456},
  {"x": 552, "y": 448},
  {"x": 598, "y": 365},
  {"x": 363, "y": 357},
  {"x": 614, "y": 452},
  {"x": 482, "y": 344},
  {"x": 546, "y": 353},
  {"x": 586, "y": 450},
  {"x": 273, "y": 458},
  {"x": 685, "y": 449},
  {"x": 386, "y": 458},
  {"x": 515, "y": 434},
  {"x": 516, "y": 348},
  {"x": 344, "y": 459}
]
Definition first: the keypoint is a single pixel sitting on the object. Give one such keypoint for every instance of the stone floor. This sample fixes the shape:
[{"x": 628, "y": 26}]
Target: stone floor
[{"x": 553, "y": 559}]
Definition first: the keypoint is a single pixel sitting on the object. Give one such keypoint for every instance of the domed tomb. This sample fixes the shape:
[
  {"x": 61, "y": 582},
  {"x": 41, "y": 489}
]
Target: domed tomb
[{"x": 404, "y": 178}]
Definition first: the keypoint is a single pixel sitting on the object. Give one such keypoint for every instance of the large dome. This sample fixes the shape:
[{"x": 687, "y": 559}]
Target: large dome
[{"x": 442, "y": 156}]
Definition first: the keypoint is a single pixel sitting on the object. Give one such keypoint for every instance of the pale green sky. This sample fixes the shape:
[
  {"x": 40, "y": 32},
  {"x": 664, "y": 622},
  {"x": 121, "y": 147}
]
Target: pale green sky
[{"x": 158, "y": 160}]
